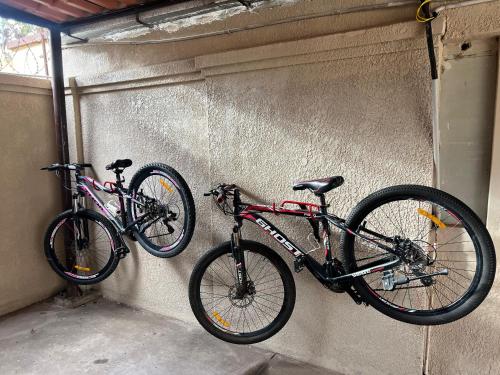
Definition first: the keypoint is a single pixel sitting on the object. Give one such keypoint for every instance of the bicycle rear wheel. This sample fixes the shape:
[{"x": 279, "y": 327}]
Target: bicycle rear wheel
[
  {"x": 251, "y": 318},
  {"x": 160, "y": 192},
  {"x": 81, "y": 247},
  {"x": 449, "y": 259}
]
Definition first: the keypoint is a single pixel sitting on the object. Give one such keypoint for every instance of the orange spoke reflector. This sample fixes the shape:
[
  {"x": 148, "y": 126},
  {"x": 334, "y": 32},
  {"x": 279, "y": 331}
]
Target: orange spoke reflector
[
  {"x": 80, "y": 268},
  {"x": 431, "y": 217},
  {"x": 166, "y": 186},
  {"x": 217, "y": 316}
]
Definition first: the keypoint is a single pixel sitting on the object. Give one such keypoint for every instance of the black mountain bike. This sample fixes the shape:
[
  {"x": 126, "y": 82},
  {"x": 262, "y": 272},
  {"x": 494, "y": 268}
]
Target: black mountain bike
[
  {"x": 414, "y": 253},
  {"x": 157, "y": 209}
]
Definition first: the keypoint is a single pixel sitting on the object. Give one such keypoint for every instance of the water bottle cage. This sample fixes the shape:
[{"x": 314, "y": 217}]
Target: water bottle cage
[{"x": 111, "y": 186}]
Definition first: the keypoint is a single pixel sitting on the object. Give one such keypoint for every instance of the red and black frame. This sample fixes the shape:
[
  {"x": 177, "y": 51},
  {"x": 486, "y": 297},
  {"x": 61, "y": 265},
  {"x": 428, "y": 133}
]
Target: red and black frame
[{"x": 331, "y": 273}]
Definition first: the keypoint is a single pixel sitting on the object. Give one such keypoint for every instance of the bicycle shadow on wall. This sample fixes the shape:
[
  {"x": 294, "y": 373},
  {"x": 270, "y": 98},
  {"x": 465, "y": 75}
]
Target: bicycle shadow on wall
[
  {"x": 134, "y": 278},
  {"x": 165, "y": 271},
  {"x": 165, "y": 141}
]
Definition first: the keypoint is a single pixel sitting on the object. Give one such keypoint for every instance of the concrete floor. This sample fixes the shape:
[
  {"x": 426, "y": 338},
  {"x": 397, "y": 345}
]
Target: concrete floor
[{"x": 107, "y": 338}]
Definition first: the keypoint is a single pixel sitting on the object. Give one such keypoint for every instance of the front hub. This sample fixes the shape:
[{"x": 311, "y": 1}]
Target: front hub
[{"x": 242, "y": 297}]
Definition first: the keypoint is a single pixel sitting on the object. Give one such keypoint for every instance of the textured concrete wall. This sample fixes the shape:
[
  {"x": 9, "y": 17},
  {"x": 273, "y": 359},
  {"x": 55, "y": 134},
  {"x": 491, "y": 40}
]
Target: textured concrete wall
[
  {"x": 470, "y": 345},
  {"x": 276, "y": 126},
  {"x": 343, "y": 95},
  {"x": 467, "y": 110},
  {"x": 30, "y": 198},
  {"x": 493, "y": 224}
]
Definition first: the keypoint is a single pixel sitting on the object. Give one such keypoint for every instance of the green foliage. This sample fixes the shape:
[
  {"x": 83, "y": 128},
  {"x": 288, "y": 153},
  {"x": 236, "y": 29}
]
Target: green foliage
[
  {"x": 12, "y": 32},
  {"x": 10, "y": 29}
]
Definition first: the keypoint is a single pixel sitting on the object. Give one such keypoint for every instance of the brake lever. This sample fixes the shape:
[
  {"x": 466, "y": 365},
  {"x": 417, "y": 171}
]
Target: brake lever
[
  {"x": 222, "y": 190},
  {"x": 210, "y": 193}
]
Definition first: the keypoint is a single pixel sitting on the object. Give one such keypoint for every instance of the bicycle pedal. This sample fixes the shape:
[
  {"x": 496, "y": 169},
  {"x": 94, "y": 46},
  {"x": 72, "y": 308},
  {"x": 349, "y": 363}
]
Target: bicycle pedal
[
  {"x": 353, "y": 293},
  {"x": 122, "y": 251}
]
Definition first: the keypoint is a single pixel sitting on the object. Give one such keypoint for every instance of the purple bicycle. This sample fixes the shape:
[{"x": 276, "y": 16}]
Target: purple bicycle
[{"x": 84, "y": 246}]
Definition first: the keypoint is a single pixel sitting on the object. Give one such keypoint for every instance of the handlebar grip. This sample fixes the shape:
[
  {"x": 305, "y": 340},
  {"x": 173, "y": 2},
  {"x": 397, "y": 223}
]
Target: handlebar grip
[
  {"x": 85, "y": 165},
  {"x": 52, "y": 167}
]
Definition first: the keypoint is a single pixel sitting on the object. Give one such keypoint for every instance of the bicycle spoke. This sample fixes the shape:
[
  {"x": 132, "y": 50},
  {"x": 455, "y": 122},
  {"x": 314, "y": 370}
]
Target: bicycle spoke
[
  {"x": 445, "y": 246},
  {"x": 249, "y": 313}
]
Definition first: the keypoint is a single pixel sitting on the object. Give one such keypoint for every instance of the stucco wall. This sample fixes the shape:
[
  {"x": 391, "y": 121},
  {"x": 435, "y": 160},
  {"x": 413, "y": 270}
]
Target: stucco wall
[
  {"x": 345, "y": 95},
  {"x": 30, "y": 197}
]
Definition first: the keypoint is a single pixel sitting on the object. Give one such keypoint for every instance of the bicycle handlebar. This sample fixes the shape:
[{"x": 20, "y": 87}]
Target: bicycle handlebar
[
  {"x": 220, "y": 192},
  {"x": 69, "y": 167}
]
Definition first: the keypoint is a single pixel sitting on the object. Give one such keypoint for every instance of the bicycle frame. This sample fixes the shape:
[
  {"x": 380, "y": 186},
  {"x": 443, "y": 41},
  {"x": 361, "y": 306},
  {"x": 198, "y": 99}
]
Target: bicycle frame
[
  {"x": 85, "y": 186},
  {"x": 332, "y": 271}
]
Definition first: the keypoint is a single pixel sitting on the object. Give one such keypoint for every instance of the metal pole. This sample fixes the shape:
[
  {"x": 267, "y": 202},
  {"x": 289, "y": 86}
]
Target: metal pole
[
  {"x": 435, "y": 91},
  {"x": 61, "y": 130},
  {"x": 60, "y": 122}
]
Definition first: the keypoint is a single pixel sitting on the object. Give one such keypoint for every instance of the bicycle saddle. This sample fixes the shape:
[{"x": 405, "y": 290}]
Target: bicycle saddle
[
  {"x": 321, "y": 185},
  {"x": 120, "y": 163}
]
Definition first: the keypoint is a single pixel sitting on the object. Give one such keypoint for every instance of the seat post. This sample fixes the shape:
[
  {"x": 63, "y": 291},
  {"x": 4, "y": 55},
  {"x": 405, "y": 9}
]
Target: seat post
[
  {"x": 118, "y": 173},
  {"x": 326, "y": 228},
  {"x": 322, "y": 200}
]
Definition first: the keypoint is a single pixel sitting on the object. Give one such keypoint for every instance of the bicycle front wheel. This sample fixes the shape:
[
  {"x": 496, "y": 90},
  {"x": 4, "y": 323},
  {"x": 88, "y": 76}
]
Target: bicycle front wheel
[
  {"x": 81, "y": 247},
  {"x": 448, "y": 262},
  {"x": 159, "y": 192},
  {"x": 243, "y": 319}
]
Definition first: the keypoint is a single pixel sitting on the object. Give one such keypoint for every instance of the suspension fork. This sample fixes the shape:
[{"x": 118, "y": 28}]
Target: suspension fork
[
  {"x": 71, "y": 235},
  {"x": 237, "y": 251},
  {"x": 81, "y": 229},
  {"x": 239, "y": 261}
]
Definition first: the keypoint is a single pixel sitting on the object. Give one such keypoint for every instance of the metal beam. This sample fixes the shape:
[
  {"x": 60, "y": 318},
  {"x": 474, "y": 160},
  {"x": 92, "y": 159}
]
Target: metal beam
[
  {"x": 60, "y": 122},
  {"x": 22, "y": 16},
  {"x": 120, "y": 13}
]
